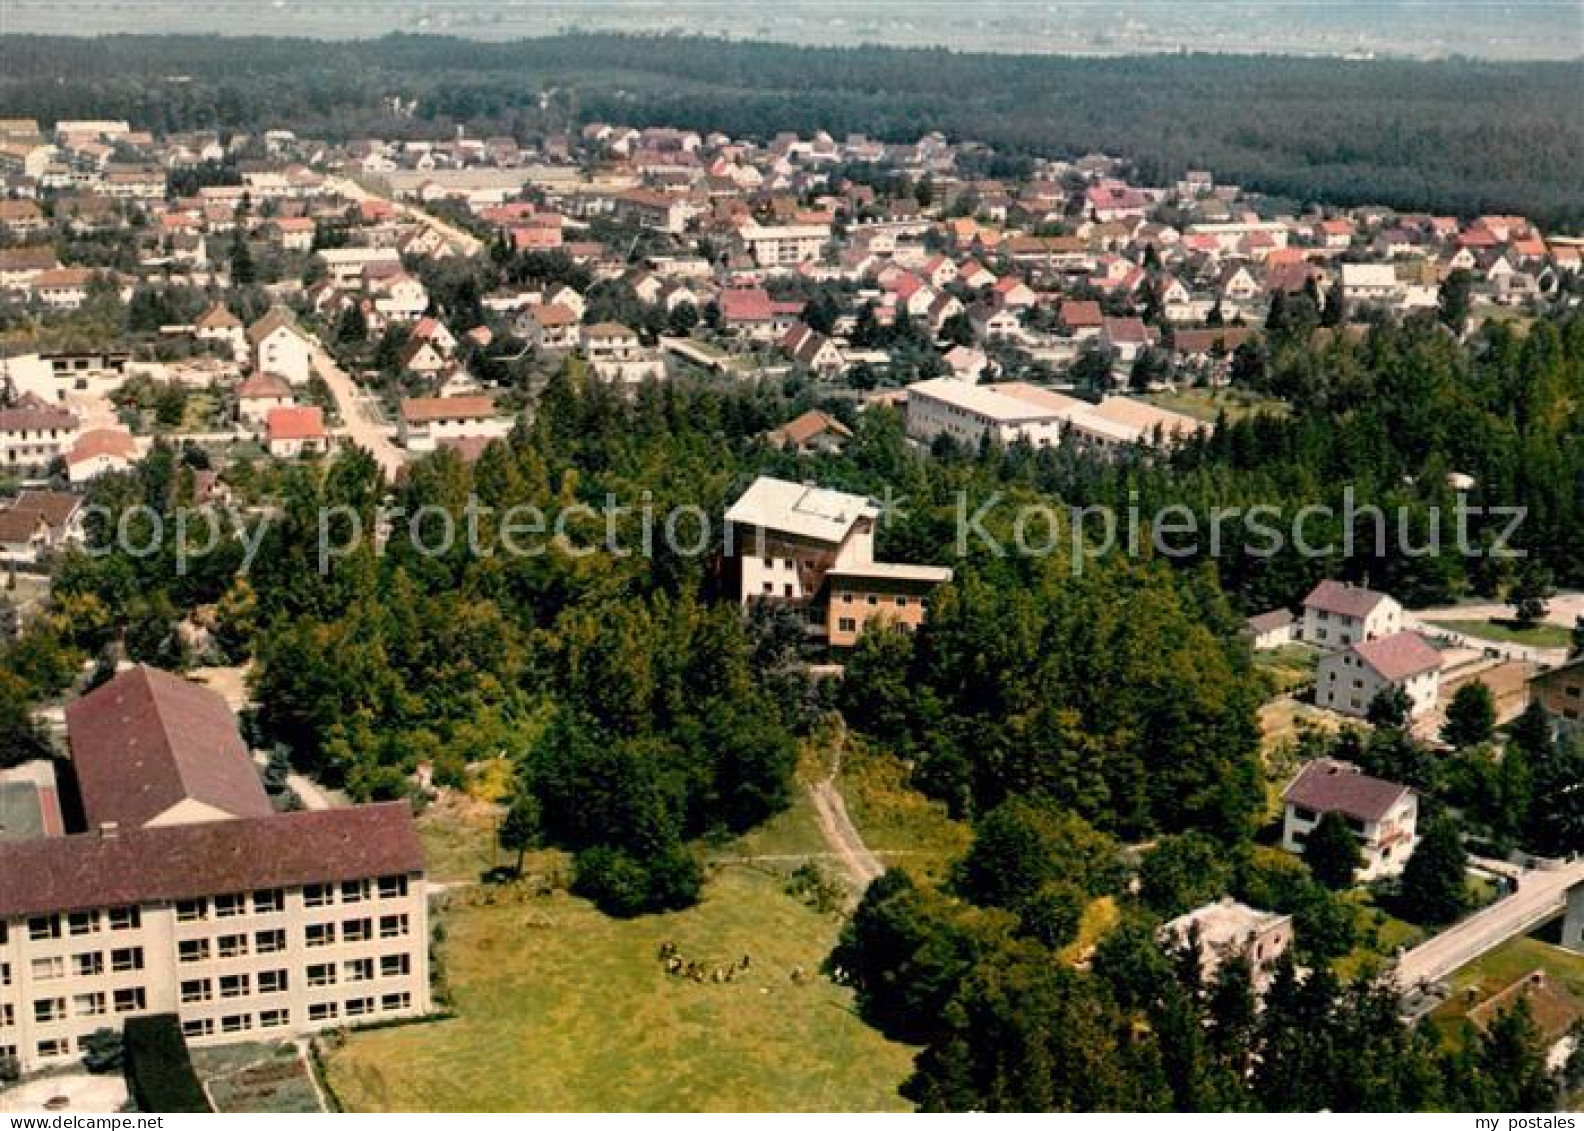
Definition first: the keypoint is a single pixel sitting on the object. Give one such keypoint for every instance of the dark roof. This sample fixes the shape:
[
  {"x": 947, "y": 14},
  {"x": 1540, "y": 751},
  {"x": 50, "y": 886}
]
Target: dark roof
[
  {"x": 148, "y": 740},
  {"x": 1344, "y": 599},
  {"x": 1329, "y": 786},
  {"x": 170, "y": 862},
  {"x": 277, "y": 318}
]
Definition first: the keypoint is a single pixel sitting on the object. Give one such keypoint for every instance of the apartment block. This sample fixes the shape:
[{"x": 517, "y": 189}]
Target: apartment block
[{"x": 189, "y": 894}]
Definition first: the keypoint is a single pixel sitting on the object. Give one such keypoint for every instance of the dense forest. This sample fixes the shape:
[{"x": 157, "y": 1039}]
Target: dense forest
[
  {"x": 1455, "y": 136},
  {"x": 1117, "y": 685},
  {"x": 1066, "y": 712}
]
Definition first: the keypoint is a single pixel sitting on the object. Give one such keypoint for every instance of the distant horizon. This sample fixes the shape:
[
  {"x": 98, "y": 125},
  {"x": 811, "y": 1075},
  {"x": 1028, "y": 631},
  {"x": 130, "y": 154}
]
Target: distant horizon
[{"x": 1521, "y": 31}]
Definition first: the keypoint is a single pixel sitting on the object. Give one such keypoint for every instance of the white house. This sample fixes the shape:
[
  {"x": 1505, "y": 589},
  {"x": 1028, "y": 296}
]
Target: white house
[
  {"x": 296, "y": 431},
  {"x": 1348, "y": 681},
  {"x": 281, "y": 348},
  {"x": 1271, "y": 630},
  {"x": 1337, "y": 614},
  {"x": 1383, "y": 815},
  {"x": 1369, "y": 282},
  {"x": 425, "y": 422}
]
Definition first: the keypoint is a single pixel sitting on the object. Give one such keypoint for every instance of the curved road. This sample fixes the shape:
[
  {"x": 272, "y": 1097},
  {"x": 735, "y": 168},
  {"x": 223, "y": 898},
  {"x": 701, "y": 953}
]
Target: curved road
[{"x": 1539, "y": 895}]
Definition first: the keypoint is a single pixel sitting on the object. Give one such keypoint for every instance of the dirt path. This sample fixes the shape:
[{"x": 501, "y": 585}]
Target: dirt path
[{"x": 830, "y": 811}]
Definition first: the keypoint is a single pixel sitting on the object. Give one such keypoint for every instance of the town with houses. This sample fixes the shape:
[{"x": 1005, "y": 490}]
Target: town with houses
[{"x": 287, "y": 298}]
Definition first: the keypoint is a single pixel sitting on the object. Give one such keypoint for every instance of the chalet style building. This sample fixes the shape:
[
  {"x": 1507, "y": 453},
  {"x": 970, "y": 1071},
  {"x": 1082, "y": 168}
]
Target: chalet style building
[
  {"x": 813, "y": 549},
  {"x": 1383, "y": 815},
  {"x": 1347, "y": 681},
  {"x": 189, "y": 894},
  {"x": 1336, "y": 614}
]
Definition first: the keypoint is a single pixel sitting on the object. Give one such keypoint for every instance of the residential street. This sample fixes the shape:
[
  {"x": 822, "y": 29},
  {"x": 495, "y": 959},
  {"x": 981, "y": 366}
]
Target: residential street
[
  {"x": 356, "y": 426},
  {"x": 464, "y": 242}
]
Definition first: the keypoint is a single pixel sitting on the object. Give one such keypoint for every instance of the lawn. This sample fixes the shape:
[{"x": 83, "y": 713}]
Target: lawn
[
  {"x": 899, "y": 824},
  {"x": 1508, "y": 632},
  {"x": 1381, "y": 935},
  {"x": 1208, "y": 404},
  {"x": 1491, "y": 973},
  {"x": 558, "y": 1007},
  {"x": 1289, "y": 667},
  {"x": 561, "y": 1008}
]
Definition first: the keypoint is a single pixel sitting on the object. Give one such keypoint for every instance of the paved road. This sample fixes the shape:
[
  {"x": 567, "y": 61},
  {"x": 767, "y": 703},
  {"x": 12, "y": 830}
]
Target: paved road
[
  {"x": 1561, "y": 610},
  {"x": 356, "y": 427},
  {"x": 465, "y": 242},
  {"x": 1539, "y": 893},
  {"x": 1546, "y": 657}
]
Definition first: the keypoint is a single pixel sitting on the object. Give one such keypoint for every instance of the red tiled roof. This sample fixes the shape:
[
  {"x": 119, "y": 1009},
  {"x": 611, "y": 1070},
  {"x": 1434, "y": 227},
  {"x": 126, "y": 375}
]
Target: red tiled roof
[
  {"x": 264, "y": 386},
  {"x": 1343, "y": 599},
  {"x": 1328, "y": 786},
  {"x": 170, "y": 862},
  {"x": 296, "y": 422},
  {"x": 746, "y": 304},
  {"x": 102, "y": 442},
  {"x": 1399, "y": 656},
  {"x": 1081, "y": 314},
  {"x": 147, "y": 740},
  {"x": 416, "y": 410}
]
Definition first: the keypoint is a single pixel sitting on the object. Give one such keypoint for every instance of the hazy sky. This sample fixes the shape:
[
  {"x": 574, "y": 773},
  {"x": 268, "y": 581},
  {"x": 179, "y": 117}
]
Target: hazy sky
[{"x": 1516, "y": 29}]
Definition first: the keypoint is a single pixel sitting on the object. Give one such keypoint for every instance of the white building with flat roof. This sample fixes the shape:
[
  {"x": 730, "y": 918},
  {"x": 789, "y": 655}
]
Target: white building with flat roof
[
  {"x": 785, "y": 245},
  {"x": 813, "y": 548},
  {"x": 1017, "y": 411}
]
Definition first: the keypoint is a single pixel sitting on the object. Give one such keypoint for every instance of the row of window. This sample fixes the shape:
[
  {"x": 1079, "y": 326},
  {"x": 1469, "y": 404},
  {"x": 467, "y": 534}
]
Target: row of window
[
  {"x": 88, "y": 964},
  {"x": 274, "y": 900},
  {"x": 95, "y": 1004},
  {"x": 236, "y": 1023},
  {"x": 900, "y": 600},
  {"x": 196, "y": 990},
  {"x": 273, "y": 941},
  {"x": 231, "y": 946},
  {"x": 44, "y": 927},
  {"x": 318, "y": 1013}
]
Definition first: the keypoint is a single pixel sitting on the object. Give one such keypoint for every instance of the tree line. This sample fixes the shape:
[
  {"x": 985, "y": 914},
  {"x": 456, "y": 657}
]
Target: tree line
[{"x": 1456, "y": 135}]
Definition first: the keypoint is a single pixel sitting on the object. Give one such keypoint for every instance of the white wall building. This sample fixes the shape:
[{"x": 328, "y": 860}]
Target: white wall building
[
  {"x": 190, "y": 895},
  {"x": 1383, "y": 815},
  {"x": 1349, "y": 680}
]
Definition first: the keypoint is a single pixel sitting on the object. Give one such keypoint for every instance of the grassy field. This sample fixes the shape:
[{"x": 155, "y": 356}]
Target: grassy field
[
  {"x": 1488, "y": 975},
  {"x": 1289, "y": 667},
  {"x": 901, "y": 825},
  {"x": 1380, "y": 936},
  {"x": 1208, "y": 404},
  {"x": 558, "y": 1007},
  {"x": 561, "y": 1008},
  {"x": 1507, "y": 632}
]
